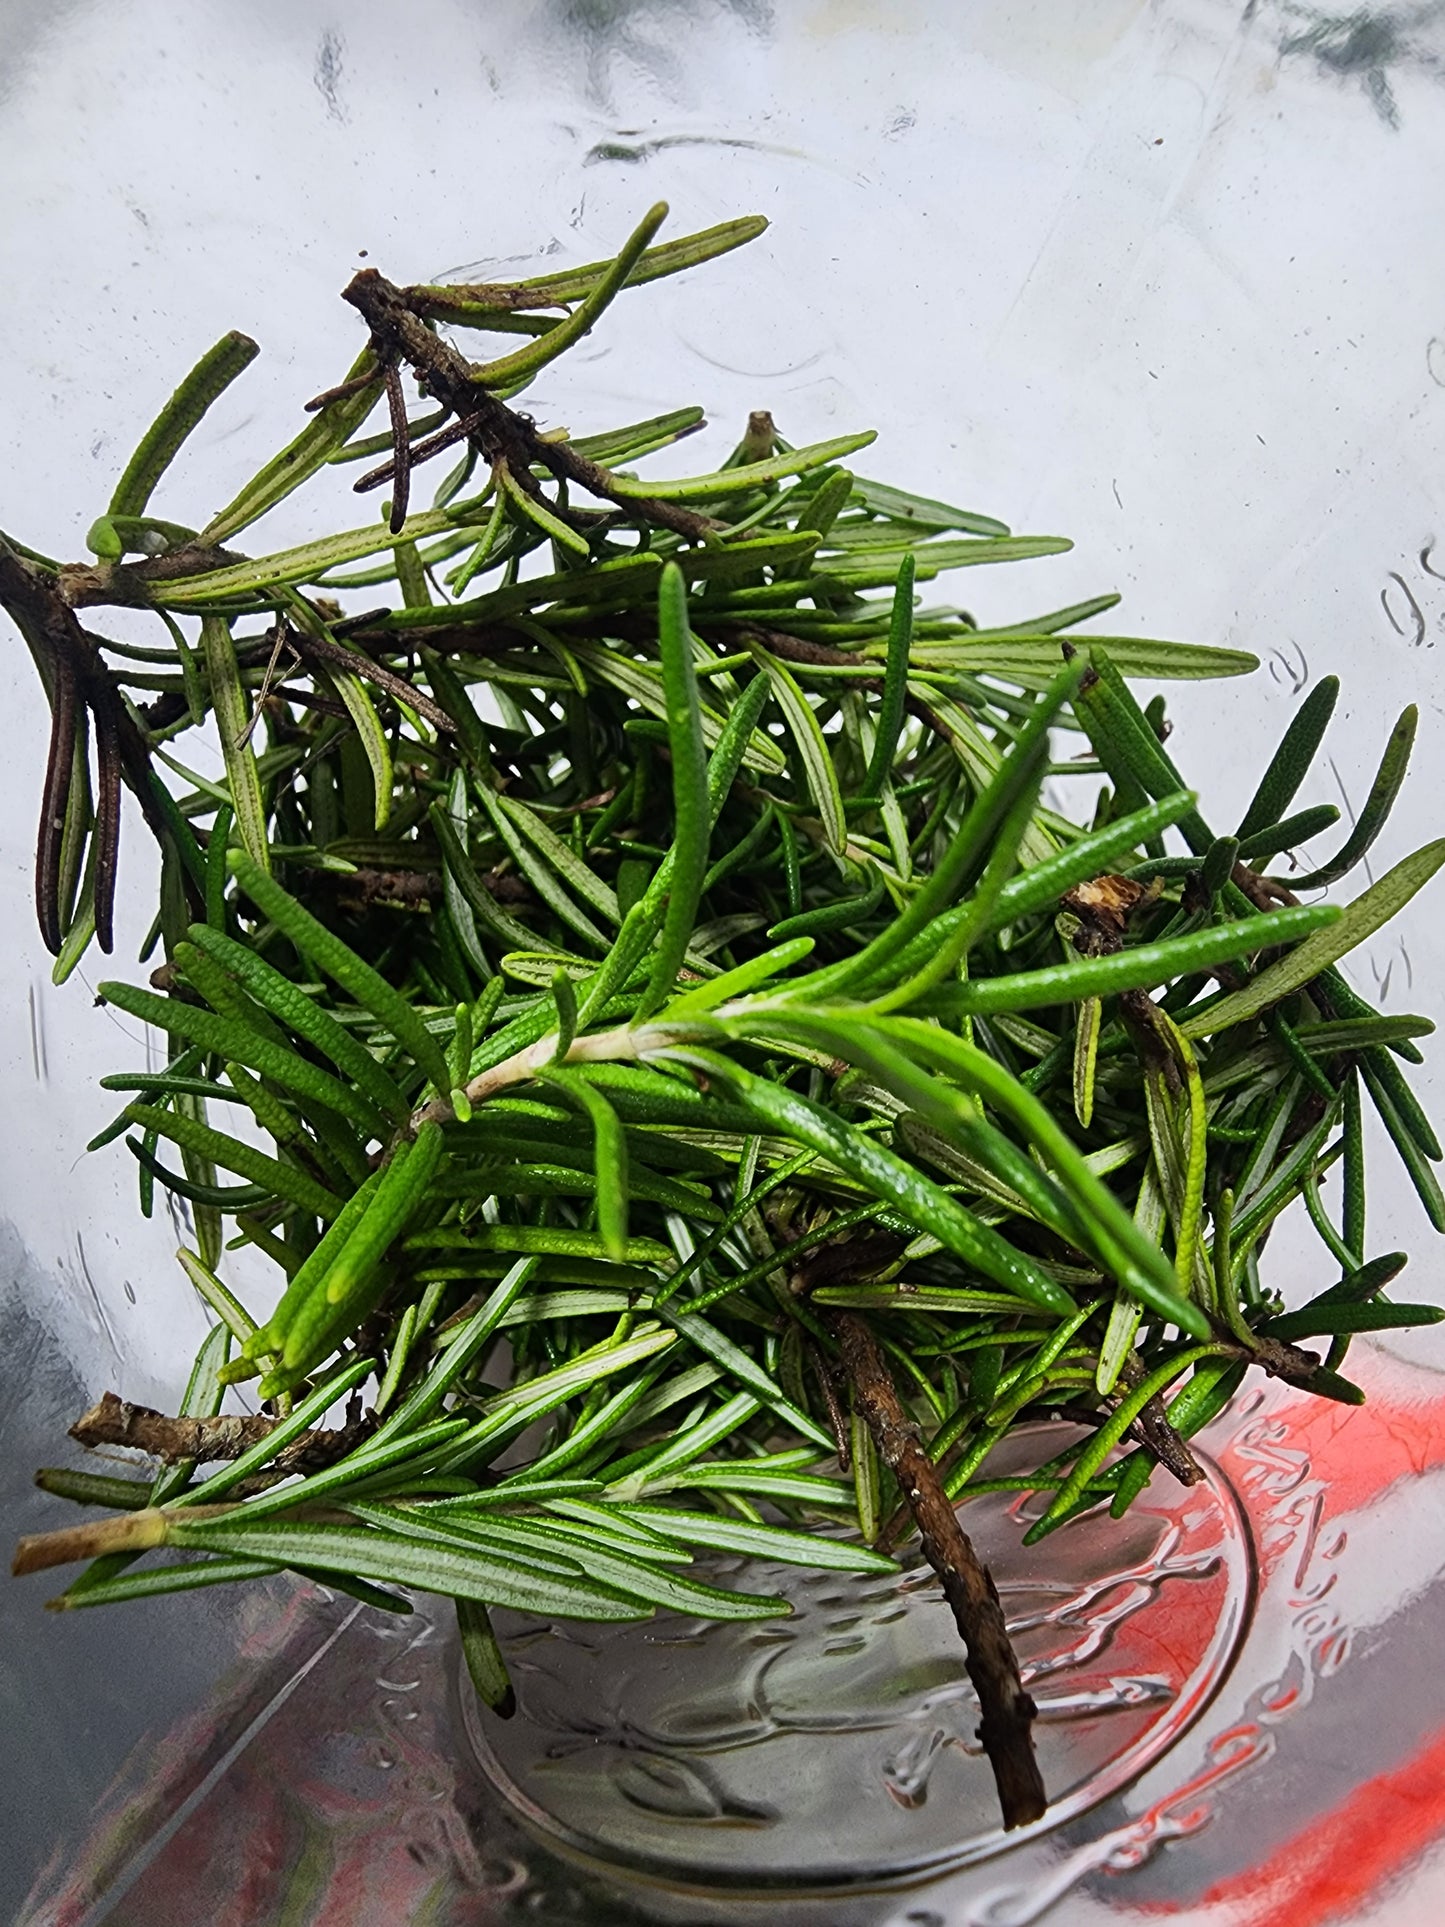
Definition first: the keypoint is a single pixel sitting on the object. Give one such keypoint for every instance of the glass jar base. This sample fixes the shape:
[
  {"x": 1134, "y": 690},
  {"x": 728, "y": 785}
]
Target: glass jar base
[{"x": 837, "y": 1747}]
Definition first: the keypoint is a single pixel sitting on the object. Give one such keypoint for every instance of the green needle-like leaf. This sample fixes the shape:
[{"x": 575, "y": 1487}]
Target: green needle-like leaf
[
  {"x": 1141, "y": 966},
  {"x": 891, "y": 1180},
  {"x": 751, "y": 475},
  {"x": 513, "y": 370},
  {"x": 895, "y": 682},
  {"x": 485, "y": 1664},
  {"x": 1369, "y": 911},
  {"x": 496, "y": 1577},
  {"x": 1291, "y": 761},
  {"x": 689, "y": 788},
  {"x": 817, "y": 764},
  {"x": 233, "y": 721},
  {"x": 207, "y": 381},
  {"x": 611, "y": 1157},
  {"x": 343, "y": 965},
  {"x": 1315, "y": 1321},
  {"x": 300, "y": 460},
  {"x": 1086, "y": 1057},
  {"x": 1378, "y": 804},
  {"x": 758, "y": 1542},
  {"x": 283, "y": 1180}
]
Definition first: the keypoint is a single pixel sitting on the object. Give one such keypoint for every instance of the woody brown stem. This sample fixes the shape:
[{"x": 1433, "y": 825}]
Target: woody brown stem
[
  {"x": 498, "y": 431},
  {"x": 1153, "y": 1431},
  {"x": 59, "y": 771},
  {"x": 115, "y": 1421},
  {"x": 69, "y": 661},
  {"x": 1005, "y": 1729}
]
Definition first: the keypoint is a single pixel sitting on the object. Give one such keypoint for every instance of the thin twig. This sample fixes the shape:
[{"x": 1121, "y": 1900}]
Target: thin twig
[
  {"x": 316, "y": 649},
  {"x": 408, "y": 889},
  {"x": 132, "y": 1533},
  {"x": 127, "y": 585},
  {"x": 569, "y": 466},
  {"x": 624, "y": 1044},
  {"x": 420, "y": 451},
  {"x": 278, "y": 642},
  {"x": 308, "y": 699},
  {"x": 343, "y": 391},
  {"x": 837, "y": 1422},
  {"x": 505, "y": 297},
  {"x": 802, "y": 649}
]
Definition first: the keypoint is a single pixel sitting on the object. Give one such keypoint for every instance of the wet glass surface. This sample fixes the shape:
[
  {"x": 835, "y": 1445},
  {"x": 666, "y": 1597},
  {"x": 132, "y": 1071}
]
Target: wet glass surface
[{"x": 1163, "y": 278}]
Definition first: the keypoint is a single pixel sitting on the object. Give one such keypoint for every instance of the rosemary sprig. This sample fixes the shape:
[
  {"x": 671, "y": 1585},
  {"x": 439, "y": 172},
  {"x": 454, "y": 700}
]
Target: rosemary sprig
[{"x": 637, "y": 930}]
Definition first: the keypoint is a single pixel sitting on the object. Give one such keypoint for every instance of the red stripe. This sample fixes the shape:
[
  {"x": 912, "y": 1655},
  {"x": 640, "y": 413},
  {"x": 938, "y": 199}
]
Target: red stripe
[
  {"x": 1343, "y": 1857},
  {"x": 1355, "y": 1452}
]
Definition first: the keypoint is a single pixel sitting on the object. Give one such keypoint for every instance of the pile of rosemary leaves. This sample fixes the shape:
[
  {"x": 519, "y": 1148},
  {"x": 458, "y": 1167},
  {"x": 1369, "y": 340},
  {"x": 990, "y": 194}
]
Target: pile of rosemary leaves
[{"x": 691, "y": 1089}]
